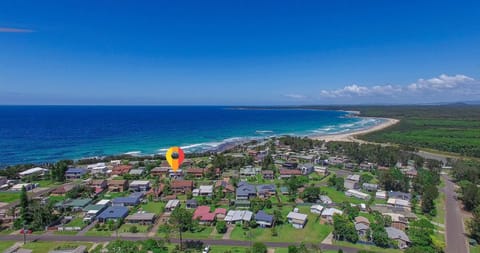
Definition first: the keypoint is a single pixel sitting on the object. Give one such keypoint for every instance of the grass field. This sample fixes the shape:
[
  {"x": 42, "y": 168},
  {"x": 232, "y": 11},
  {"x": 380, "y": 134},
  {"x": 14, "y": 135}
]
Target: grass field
[
  {"x": 9, "y": 197},
  {"x": 204, "y": 233},
  {"x": 125, "y": 228},
  {"x": 94, "y": 232},
  {"x": 339, "y": 197},
  {"x": 5, "y": 245},
  {"x": 367, "y": 247},
  {"x": 153, "y": 207},
  {"x": 45, "y": 247},
  {"x": 475, "y": 249}
]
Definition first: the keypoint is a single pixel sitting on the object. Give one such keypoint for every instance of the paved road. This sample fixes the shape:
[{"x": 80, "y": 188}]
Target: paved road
[
  {"x": 455, "y": 231},
  {"x": 100, "y": 239}
]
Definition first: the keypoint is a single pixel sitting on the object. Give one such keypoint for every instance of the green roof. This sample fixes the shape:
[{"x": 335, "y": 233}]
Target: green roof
[{"x": 93, "y": 207}]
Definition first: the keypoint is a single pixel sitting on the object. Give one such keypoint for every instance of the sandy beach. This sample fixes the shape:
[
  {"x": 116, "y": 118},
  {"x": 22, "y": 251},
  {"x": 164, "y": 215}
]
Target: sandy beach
[{"x": 352, "y": 135}]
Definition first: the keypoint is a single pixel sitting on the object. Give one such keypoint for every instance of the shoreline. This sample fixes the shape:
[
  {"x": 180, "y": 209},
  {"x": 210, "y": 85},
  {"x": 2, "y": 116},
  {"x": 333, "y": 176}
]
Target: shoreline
[{"x": 351, "y": 136}]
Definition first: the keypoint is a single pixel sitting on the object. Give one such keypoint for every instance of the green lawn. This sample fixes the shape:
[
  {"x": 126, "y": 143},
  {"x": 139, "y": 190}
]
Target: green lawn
[
  {"x": 9, "y": 197},
  {"x": 56, "y": 199},
  {"x": 475, "y": 249},
  {"x": 367, "y": 247},
  {"x": 153, "y": 207},
  {"x": 4, "y": 245},
  {"x": 94, "y": 232},
  {"x": 47, "y": 183},
  {"x": 125, "y": 228},
  {"x": 222, "y": 249},
  {"x": 313, "y": 231},
  {"x": 204, "y": 233},
  {"x": 339, "y": 197},
  {"x": 45, "y": 247},
  {"x": 77, "y": 222},
  {"x": 112, "y": 195},
  {"x": 440, "y": 206},
  {"x": 65, "y": 232}
]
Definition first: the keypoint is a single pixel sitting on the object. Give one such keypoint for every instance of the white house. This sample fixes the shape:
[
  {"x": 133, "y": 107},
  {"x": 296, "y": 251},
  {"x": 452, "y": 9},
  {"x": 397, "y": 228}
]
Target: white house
[
  {"x": 328, "y": 213},
  {"x": 33, "y": 171},
  {"x": 357, "y": 194},
  {"x": 234, "y": 216},
  {"x": 172, "y": 204},
  {"x": 298, "y": 220},
  {"x": 316, "y": 209},
  {"x": 381, "y": 195}
]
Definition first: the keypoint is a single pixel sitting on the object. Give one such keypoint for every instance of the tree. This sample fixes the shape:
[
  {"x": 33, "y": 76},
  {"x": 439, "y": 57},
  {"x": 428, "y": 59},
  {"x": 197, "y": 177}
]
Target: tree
[
  {"x": 156, "y": 185},
  {"x": 428, "y": 198},
  {"x": 473, "y": 225},
  {"x": 181, "y": 219},
  {"x": 277, "y": 216},
  {"x": 259, "y": 247},
  {"x": 344, "y": 229},
  {"x": 311, "y": 193},
  {"x": 470, "y": 195},
  {"x": 221, "y": 227}
]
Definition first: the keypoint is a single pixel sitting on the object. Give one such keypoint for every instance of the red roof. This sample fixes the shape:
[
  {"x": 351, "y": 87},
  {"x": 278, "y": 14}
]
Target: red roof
[
  {"x": 203, "y": 213},
  {"x": 290, "y": 172},
  {"x": 121, "y": 169},
  {"x": 182, "y": 183},
  {"x": 195, "y": 171},
  {"x": 220, "y": 211}
]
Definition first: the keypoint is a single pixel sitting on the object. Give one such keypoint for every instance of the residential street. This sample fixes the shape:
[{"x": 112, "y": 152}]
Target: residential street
[
  {"x": 455, "y": 231},
  {"x": 98, "y": 239}
]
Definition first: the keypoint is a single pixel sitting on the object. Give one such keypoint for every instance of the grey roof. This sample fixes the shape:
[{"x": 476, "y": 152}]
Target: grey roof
[
  {"x": 245, "y": 188},
  {"x": 262, "y": 216},
  {"x": 297, "y": 216},
  {"x": 361, "y": 226},
  {"x": 236, "y": 215},
  {"x": 141, "y": 216},
  {"x": 114, "y": 212},
  {"x": 191, "y": 202},
  {"x": 394, "y": 233},
  {"x": 266, "y": 188},
  {"x": 133, "y": 199},
  {"x": 400, "y": 195}
]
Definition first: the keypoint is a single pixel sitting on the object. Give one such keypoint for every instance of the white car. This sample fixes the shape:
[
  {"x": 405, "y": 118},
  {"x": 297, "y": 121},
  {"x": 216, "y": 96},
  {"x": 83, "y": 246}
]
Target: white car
[{"x": 206, "y": 250}]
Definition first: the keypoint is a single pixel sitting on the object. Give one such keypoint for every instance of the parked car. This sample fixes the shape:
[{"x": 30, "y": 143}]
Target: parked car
[
  {"x": 28, "y": 231},
  {"x": 207, "y": 249}
]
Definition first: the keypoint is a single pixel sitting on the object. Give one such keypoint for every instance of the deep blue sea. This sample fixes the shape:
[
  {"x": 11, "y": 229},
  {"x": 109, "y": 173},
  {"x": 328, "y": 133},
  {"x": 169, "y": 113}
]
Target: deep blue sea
[{"x": 37, "y": 134}]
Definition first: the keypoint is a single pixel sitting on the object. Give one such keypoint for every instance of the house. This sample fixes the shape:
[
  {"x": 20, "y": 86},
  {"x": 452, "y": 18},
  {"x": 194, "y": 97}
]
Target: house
[
  {"x": 203, "y": 190},
  {"x": 195, "y": 172},
  {"x": 298, "y": 220},
  {"x": 204, "y": 216},
  {"x": 266, "y": 190},
  {"x": 316, "y": 209},
  {"x": 357, "y": 194},
  {"x": 172, "y": 204},
  {"x": 249, "y": 171},
  {"x": 226, "y": 186},
  {"x": 324, "y": 199},
  {"x": 104, "y": 202},
  {"x": 362, "y": 226},
  {"x": 75, "y": 173},
  {"x": 234, "y": 216},
  {"x": 18, "y": 187},
  {"x": 321, "y": 170},
  {"x": 289, "y": 165},
  {"x": 191, "y": 203},
  {"x": 245, "y": 191},
  {"x": 263, "y": 219},
  {"x": 381, "y": 195},
  {"x": 137, "y": 172},
  {"x": 369, "y": 187},
  {"x": 400, "y": 195},
  {"x": 287, "y": 173},
  {"x": 398, "y": 220},
  {"x": 121, "y": 170},
  {"x": 182, "y": 186},
  {"x": 284, "y": 190},
  {"x": 141, "y": 218},
  {"x": 399, "y": 203},
  {"x": 139, "y": 185},
  {"x": 97, "y": 169},
  {"x": 132, "y": 200},
  {"x": 328, "y": 213},
  {"x": 268, "y": 174},
  {"x": 113, "y": 213},
  {"x": 352, "y": 182},
  {"x": 306, "y": 168},
  {"x": 98, "y": 185},
  {"x": 159, "y": 171},
  {"x": 62, "y": 190},
  {"x": 75, "y": 205},
  {"x": 92, "y": 211},
  {"x": 399, "y": 236},
  {"x": 37, "y": 171},
  {"x": 117, "y": 185}
]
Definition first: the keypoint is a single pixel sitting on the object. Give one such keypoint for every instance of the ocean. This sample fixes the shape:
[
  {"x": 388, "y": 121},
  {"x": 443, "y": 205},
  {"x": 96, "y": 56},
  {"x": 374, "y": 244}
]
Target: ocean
[{"x": 37, "y": 134}]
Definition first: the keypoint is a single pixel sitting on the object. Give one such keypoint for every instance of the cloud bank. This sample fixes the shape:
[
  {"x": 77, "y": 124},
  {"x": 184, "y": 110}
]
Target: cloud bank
[{"x": 441, "y": 88}]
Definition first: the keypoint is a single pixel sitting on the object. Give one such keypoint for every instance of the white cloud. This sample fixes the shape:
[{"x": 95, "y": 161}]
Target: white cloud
[
  {"x": 441, "y": 85},
  {"x": 295, "y": 96}
]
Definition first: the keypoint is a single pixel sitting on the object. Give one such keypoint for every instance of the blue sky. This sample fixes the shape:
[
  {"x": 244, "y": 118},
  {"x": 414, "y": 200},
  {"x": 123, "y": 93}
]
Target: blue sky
[{"x": 239, "y": 52}]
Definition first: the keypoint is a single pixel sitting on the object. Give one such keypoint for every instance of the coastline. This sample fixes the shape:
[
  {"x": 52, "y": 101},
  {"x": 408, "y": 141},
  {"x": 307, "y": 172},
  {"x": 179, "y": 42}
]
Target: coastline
[{"x": 351, "y": 136}]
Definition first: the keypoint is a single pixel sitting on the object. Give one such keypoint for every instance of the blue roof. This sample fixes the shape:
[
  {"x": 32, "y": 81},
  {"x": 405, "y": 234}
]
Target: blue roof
[
  {"x": 133, "y": 199},
  {"x": 262, "y": 216},
  {"x": 76, "y": 171},
  {"x": 245, "y": 188},
  {"x": 266, "y": 188},
  {"x": 114, "y": 212}
]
